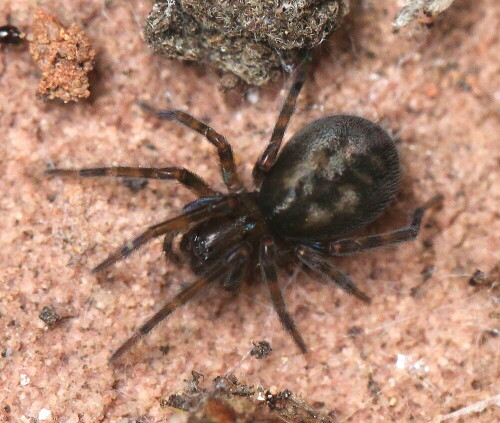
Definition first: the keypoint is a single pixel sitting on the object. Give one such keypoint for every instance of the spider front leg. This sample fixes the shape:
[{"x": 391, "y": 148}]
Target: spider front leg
[
  {"x": 189, "y": 179},
  {"x": 270, "y": 154},
  {"x": 224, "y": 150},
  {"x": 356, "y": 245},
  {"x": 267, "y": 260},
  {"x": 215, "y": 207}
]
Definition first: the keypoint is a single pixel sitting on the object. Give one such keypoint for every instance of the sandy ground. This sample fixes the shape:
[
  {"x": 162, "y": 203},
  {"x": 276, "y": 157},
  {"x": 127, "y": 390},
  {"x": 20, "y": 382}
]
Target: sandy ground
[{"x": 403, "y": 358}]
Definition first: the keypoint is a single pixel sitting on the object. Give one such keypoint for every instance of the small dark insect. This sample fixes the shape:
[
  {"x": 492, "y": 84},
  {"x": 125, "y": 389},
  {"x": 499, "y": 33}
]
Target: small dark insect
[
  {"x": 49, "y": 316},
  {"x": 9, "y": 34},
  {"x": 261, "y": 350},
  {"x": 478, "y": 278},
  {"x": 335, "y": 175}
]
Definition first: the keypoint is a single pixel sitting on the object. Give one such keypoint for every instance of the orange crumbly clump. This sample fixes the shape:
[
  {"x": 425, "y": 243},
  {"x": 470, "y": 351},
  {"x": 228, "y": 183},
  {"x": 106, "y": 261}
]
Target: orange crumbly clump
[{"x": 65, "y": 56}]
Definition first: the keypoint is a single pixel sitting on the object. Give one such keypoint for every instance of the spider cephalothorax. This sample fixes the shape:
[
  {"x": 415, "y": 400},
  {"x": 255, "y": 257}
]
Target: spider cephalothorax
[{"x": 336, "y": 174}]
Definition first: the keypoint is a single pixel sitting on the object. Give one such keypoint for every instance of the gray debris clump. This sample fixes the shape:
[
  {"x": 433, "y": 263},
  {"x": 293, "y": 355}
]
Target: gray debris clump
[
  {"x": 49, "y": 316},
  {"x": 416, "y": 8},
  {"x": 252, "y": 39}
]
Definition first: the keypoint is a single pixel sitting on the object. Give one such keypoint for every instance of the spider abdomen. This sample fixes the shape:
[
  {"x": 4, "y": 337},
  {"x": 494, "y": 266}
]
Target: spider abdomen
[{"x": 336, "y": 174}]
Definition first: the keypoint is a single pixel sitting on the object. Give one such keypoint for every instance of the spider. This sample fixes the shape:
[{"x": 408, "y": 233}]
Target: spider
[{"x": 335, "y": 175}]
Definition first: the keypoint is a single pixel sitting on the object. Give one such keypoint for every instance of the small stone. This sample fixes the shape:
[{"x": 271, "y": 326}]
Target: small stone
[
  {"x": 44, "y": 414},
  {"x": 24, "y": 380},
  {"x": 49, "y": 316}
]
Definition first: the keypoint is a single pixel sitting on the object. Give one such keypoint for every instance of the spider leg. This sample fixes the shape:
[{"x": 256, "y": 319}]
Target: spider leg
[
  {"x": 212, "y": 274},
  {"x": 356, "y": 245},
  {"x": 267, "y": 259},
  {"x": 224, "y": 150},
  {"x": 321, "y": 265},
  {"x": 180, "y": 299},
  {"x": 270, "y": 154},
  {"x": 217, "y": 207},
  {"x": 189, "y": 179}
]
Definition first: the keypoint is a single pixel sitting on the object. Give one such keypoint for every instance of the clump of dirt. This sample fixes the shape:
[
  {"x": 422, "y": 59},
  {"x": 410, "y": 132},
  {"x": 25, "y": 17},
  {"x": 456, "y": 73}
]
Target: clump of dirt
[
  {"x": 232, "y": 401},
  {"x": 422, "y": 11},
  {"x": 251, "y": 40},
  {"x": 65, "y": 57}
]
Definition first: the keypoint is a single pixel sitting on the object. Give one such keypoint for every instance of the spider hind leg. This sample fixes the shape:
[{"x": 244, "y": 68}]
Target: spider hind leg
[
  {"x": 328, "y": 272},
  {"x": 356, "y": 245}
]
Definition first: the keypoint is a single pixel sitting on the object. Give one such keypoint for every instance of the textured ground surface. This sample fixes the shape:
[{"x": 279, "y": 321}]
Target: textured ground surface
[{"x": 403, "y": 358}]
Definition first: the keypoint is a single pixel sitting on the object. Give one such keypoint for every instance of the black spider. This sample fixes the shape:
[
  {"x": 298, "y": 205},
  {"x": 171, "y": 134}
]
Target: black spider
[{"x": 335, "y": 175}]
